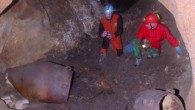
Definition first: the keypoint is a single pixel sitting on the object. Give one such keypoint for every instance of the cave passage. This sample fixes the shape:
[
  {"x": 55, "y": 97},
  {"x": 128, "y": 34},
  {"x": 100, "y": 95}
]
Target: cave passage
[{"x": 115, "y": 84}]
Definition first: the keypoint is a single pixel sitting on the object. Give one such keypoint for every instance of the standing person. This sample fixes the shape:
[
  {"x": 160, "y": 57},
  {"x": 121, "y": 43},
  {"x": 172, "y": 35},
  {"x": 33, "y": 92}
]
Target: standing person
[
  {"x": 152, "y": 32},
  {"x": 110, "y": 30}
]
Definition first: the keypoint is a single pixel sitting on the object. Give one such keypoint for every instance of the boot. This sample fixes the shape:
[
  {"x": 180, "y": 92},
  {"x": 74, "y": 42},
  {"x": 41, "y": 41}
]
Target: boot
[
  {"x": 102, "y": 58},
  {"x": 138, "y": 61},
  {"x": 149, "y": 56},
  {"x": 152, "y": 56}
]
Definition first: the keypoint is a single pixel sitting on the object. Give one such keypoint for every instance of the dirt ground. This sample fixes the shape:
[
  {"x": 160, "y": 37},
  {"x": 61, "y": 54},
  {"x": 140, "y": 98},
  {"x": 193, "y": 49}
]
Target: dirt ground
[{"x": 115, "y": 84}]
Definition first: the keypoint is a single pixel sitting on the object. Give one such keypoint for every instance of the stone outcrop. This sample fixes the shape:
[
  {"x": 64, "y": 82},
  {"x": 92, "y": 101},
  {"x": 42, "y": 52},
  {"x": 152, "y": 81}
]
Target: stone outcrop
[
  {"x": 4, "y": 4},
  {"x": 24, "y": 35},
  {"x": 31, "y": 29},
  {"x": 183, "y": 11}
]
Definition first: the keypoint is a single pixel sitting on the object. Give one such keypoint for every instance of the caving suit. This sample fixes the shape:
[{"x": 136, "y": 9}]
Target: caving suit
[
  {"x": 155, "y": 36},
  {"x": 115, "y": 28}
]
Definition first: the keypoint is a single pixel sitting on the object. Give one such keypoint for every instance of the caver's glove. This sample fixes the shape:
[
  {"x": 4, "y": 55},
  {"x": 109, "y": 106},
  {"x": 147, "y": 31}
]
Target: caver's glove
[
  {"x": 178, "y": 49},
  {"x": 109, "y": 36},
  {"x": 146, "y": 44},
  {"x": 104, "y": 34}
]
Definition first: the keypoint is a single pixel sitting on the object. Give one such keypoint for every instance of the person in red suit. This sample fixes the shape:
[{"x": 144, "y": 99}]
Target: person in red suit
[{"x": 153, "y": 32}]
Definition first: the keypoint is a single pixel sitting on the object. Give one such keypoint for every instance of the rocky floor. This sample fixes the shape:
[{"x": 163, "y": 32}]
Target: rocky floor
[{"x": 114, "y": 84}]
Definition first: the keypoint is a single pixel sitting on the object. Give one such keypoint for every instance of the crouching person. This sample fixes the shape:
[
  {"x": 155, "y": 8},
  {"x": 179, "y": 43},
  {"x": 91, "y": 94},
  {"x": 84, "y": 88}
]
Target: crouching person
[
  {"x": 150, "y": 35},
  {"x": 110, "y": 30}
]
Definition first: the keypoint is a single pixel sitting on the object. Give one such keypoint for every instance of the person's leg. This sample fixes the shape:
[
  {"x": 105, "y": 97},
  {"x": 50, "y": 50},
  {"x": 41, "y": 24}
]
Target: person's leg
[
  {"x": 137, "y": 51},
  {"x": 117, "y": 46},
  {"x": 103, "y": 51},
  {"x": 153, "y": 53}
]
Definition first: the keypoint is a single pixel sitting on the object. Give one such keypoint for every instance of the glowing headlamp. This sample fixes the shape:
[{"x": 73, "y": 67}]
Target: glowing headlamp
[{"x": 108, "y": 9}]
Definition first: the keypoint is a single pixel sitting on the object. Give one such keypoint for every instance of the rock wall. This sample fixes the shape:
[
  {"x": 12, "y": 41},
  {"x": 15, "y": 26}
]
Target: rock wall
[
  {"x": 183, "y": 11},
  {"x": 75, "y": 20},
  {"x": 34, "y": 29},
  {"x": 24, "y": 34},
  {"x": 4, "y": 4}
]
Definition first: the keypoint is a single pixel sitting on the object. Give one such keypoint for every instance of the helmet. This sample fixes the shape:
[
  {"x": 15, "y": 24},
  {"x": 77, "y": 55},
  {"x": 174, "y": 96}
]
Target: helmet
[
  {"x": 152, "y": 18},
  {"x": 108, "y": 9}
]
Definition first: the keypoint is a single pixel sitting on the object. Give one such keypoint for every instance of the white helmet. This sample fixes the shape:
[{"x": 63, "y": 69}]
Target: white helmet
[{"x": 108, "y": 9}]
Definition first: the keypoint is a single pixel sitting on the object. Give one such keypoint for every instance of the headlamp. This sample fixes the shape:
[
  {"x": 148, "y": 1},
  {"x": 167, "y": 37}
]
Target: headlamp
[{"x": 108, "y": 9}]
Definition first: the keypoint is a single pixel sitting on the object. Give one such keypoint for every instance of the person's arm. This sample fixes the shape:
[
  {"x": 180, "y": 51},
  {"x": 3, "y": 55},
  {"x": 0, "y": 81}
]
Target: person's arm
[
  {"x": 119, "y": 26},
  {"x": 140, "y": 34},
  {"x": 172, "y": 40},
  {"x": 101, "y": 29}
]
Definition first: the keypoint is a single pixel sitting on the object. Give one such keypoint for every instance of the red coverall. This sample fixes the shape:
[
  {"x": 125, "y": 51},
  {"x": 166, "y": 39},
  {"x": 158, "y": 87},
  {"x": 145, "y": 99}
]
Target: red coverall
[
  {"x": 114, "y": 26},
  {"x": 156, "y": 35}
]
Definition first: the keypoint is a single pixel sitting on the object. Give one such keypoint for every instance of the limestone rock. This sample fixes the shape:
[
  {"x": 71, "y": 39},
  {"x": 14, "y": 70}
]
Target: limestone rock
[
  {"x": 4, "y": 4},
  {"x": 183, "y": 12},
  {"x": 32, "y": 29},
  {"x": 24, "y": 37}
]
